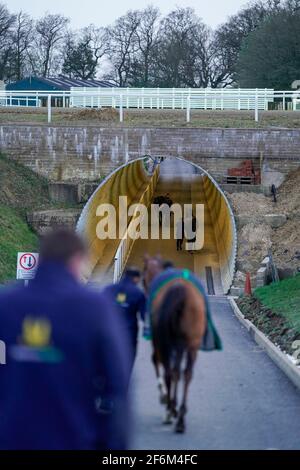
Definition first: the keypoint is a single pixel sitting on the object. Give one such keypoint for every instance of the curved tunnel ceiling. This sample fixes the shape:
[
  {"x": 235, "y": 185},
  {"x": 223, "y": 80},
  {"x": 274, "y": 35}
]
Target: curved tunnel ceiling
[{"x": 131, "y": 180}]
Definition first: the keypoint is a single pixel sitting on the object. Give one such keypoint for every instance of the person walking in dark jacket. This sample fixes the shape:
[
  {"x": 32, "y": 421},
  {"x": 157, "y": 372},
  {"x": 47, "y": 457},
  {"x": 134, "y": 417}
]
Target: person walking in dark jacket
[
  {"x": 179, "y": 234},
  {"x": 131, "y": 303},
  {"x": 64, "y": 348}
]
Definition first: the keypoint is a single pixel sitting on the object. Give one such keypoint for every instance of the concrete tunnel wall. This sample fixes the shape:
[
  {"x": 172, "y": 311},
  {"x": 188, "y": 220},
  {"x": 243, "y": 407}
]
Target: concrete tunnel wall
[
  {"x": 130, "y": 180},
  {"x": 224, "y": 228}
]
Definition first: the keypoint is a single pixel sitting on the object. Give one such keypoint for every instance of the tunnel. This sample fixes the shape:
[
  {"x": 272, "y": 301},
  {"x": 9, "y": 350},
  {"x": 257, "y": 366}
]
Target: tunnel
[{"x": 141, "y": 181}]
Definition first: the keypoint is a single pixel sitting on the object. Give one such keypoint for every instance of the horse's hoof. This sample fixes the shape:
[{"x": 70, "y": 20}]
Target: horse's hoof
[
  {"x": 168, "y": 419},
  {"x": 180, "y": 428},
  {"x": 163, "y": 399}
]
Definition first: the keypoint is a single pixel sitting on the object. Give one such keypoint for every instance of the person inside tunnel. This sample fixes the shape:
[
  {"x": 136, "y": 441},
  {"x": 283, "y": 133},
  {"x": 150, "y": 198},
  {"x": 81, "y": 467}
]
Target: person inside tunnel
[{"x": 179, "y": 234}]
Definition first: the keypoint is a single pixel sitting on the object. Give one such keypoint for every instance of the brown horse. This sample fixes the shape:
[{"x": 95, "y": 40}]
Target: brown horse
[{"x": 178, "y": 316}]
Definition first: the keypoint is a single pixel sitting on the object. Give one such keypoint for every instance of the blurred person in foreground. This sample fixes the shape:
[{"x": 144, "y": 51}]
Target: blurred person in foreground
[
  {"x": 64, "y": 347},
  {"x": 130, "y": 302}
]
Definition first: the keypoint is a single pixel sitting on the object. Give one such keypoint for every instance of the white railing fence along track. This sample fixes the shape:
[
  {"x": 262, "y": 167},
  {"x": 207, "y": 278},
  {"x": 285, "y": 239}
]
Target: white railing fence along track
[
  {"x": 156, "y": 98},
  {"x": 126, "y": 244}
]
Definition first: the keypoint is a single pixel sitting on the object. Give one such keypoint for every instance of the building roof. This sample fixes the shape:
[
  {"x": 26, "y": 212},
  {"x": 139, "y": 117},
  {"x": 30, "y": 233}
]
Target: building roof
[
  {"x": 55, "y": 83},
  {"x": 66, "y": 83}
]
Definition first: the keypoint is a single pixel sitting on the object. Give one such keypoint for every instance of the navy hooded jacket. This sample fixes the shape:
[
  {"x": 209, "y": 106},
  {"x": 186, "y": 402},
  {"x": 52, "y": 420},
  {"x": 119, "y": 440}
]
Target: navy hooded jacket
[
  {"x": 130, "y": 301},
  {"x": 64, "y": 347}
]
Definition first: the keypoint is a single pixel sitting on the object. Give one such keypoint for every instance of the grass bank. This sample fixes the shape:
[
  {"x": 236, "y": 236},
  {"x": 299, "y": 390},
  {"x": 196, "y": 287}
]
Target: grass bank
[
  {"x": 275, "y": 310},
  {"x": 15, "y": 235},
  {"x": 20, "y": 190},
  {"x": 152, "y": 118},
  {"x": 283, "y": 298}
]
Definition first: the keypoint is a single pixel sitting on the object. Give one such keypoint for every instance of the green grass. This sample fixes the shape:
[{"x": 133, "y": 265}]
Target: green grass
[
  {"x": 15, "y": 235},
  {"x": 21, "y": 190},
  {"x": 20, "y": 187},
  {"x": 154, "y": 118},
  {"x": 283, "y": 298}
]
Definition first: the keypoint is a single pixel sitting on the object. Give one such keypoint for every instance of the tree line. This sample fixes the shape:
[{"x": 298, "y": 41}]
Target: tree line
[{"x": 259, "y": 46}]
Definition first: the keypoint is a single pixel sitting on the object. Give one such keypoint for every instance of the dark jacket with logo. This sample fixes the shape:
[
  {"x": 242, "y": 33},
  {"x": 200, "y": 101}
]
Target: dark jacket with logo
[
  {"x": 63, "y": 348},
  {"x": 130, "y": 301}
]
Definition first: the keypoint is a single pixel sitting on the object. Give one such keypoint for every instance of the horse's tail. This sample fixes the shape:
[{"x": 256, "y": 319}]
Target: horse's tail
[{"x": 167, "y": 334}]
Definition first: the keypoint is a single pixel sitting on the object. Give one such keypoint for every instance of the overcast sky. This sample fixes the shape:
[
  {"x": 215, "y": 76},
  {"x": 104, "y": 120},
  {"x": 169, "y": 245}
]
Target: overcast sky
[{"x": 102, "y": 13}]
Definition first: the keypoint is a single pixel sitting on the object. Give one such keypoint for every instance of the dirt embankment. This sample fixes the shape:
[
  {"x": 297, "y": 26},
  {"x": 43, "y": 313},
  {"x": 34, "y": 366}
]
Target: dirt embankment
[
  {"x": 286, "y": 239},
  {"x": 274, "y": 326},
  {"x": 95, "y": 114},
  {"x": 257, "y": 230},
  {"x": 20, "y": 187}
]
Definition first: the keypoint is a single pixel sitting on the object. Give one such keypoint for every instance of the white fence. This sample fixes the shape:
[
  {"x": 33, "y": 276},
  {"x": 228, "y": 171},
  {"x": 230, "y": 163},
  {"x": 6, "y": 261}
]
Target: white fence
[
  {"x": 155, "y": 98},
  {"x": 126, "y": 244},
  {"x": 172, "y": 98}
]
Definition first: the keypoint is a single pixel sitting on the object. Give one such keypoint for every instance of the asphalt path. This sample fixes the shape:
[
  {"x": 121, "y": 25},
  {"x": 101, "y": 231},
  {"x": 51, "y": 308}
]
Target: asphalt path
[{"x": 238, "y": 399}]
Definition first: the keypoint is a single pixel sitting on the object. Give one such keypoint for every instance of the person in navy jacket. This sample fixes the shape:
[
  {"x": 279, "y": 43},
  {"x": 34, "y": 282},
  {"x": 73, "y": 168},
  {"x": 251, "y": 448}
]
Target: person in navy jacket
[
  {"x": 66, "y": 355},
  {"x": 131, "y": 303}
]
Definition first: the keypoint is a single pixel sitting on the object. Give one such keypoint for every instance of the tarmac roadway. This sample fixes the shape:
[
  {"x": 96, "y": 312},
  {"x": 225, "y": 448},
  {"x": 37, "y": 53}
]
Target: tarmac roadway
[{"x": 239, "y": 399}]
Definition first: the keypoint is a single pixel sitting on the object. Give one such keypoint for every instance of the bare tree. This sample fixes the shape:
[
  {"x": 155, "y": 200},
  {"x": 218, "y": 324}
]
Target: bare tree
[
  {"x": 83, "y": 52},
  {"x": 181, "y": 50},
  {"x": 146, "y": 35},
  {"x": 140, "y": 49},
  {"x": 50, "y": 32},
  {"x": 123, "y": 44},
  {"x": 97, "y": 39},
  {"x": 22, "y": 37},
  {"x": 7, "y": 21}
]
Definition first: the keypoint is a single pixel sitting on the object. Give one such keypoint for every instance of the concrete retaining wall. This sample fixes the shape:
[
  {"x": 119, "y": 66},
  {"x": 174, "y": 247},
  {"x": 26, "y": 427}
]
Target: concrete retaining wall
[
  {"x": 88, "y": 153},
  {"x": 45, "y": 220}
]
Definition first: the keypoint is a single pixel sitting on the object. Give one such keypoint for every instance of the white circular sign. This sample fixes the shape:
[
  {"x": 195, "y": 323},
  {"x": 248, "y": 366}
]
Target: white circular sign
[{"x": 28, "y": 261}]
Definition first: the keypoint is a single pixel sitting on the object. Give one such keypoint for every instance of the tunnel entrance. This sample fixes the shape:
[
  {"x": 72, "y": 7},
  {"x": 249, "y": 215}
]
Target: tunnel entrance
[{"x": 186, "y": 183}]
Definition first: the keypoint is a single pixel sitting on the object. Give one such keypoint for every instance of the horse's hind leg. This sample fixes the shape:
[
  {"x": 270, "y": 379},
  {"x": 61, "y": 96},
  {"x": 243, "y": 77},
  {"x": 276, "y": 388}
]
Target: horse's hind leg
[
  {"x": 175, "y": 381},
  {"x": 168, "y": 380},
  {"x": 172, "y": 376},
  {"x": 188, "y": 373},
  {"x": 160, "y": 380}
]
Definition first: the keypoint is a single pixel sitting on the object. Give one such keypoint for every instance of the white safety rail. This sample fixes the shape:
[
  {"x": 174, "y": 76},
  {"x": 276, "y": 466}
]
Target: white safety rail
[
  {"x": 187, "y": 99},
  {"x": 172, "y": 98},
  {"x": 34, "y": 98},
  {"x": 126, "y": 244}
]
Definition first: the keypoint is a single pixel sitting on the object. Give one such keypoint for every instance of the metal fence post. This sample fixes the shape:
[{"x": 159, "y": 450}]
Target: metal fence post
[
  {"x": 256, "y": 108},
  {"x": 49, "y": 108},
  {"x": 121, "y": 108},
  {"x": 185, "y": 99},
  {"x": 188, "y": 109}
]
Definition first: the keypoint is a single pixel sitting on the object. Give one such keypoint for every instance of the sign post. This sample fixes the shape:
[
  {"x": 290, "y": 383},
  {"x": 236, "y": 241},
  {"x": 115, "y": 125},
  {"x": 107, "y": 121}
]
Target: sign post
[
  {"x": 27, "y": 265},
  {"x": 49, "y": 108}
]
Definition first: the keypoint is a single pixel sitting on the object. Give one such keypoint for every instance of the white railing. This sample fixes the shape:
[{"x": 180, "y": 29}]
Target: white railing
[
  {"x": 156, "y": 98},
  {"x": 126, "y": 244},
  {"x": 172, "y": 98},
  {"x": 34, "y": 98}
]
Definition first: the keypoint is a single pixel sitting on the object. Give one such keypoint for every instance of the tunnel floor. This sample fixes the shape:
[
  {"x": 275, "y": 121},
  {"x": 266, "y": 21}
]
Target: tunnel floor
[{"x": 185, "y": 185}]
